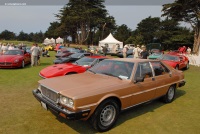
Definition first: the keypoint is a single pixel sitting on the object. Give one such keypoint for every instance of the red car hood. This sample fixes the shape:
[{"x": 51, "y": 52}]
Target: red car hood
[
  {"x": 9, "y": 58},
  {"x": 58, "y": 70}
]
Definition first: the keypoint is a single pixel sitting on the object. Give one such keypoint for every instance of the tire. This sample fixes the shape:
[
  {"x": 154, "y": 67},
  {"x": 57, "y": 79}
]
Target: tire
[
  {"x": 177, "y": 68},
  {"x": 23, "y": 64},
  {"x": 187, "y": 66},
  {"x": 169, "y": 96},
  {"x": 105, "y": 116}
]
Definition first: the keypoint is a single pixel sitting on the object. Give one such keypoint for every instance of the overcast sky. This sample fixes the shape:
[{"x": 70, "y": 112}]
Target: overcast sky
[{"x": 33, "y": 18}]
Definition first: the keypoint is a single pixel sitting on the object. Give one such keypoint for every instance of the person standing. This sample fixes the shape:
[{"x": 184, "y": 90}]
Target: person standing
[
  {"x": 125, "y": 49},
  {"x": 34, "y": 55},
  {"x": 144, "y": 54},
  {"x": 136, "y": 52},
  {"x": 188, "y": 50},
  {"x": 105, "y": 50}
]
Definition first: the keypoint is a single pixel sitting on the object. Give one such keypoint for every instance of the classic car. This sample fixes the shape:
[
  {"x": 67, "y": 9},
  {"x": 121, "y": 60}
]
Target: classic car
[
  {"x": 66, "y": 52},
  {"x": 176, "y": 61},
  {"x": 14, "y": 59},
  {"x": 49, "y": 48},
  {"x": 155, "y": 55},
  {"x": 70, "y": 58},
  {"x": 106, "y": 89},
  {"x": 181, "y": 50},
  {"x": 79, "y": 66}
]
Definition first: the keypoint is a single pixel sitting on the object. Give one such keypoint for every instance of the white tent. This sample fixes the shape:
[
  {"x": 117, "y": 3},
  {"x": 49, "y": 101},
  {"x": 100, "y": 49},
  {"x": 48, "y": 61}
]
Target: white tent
[
  {"x": 52, "y": 40},
  {"x": 111, "y": 41},
  {"x": 46, "y": 41},
  {"x": 59, "y": 40}
]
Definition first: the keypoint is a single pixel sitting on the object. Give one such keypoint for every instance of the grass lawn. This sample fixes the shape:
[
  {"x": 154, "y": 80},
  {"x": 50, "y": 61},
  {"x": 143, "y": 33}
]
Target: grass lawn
[{"x": 21, "y": 113}]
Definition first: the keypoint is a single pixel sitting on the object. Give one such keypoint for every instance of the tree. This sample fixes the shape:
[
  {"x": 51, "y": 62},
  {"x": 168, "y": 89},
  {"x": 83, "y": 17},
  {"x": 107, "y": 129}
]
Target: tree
[
  {"x": 23, "y": 36},
  {"x": 187, "y": 11},
  {"x": 7, "y": 35},
  {"x": 52, "y": 31},
  {"x": 82, "y": 18},
  {"x": 148, "y": 27},
  {"x": 122, "y": 33}
]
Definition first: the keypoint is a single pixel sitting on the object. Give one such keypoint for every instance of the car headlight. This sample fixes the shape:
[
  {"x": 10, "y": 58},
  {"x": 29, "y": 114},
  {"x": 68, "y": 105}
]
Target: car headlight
[
  {"x": 15, "y": 61},
  {"x": 66, "y": 101}
]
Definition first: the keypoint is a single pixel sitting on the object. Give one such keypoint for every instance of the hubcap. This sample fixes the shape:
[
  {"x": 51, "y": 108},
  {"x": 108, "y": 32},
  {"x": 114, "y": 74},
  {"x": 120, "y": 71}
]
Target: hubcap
[
  {"x": 107, "y": 115},
  {"x": 171, "y": 93}
]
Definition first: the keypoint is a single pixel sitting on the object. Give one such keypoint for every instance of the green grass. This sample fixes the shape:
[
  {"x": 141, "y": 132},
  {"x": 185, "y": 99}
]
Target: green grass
[{"x": 21, "y": 113}]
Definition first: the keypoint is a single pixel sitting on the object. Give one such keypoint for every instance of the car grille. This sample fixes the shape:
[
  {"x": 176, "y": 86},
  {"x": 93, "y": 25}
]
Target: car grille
[
  {"x": 49, "y": 94},
  {"x": 5, "y": 63}
]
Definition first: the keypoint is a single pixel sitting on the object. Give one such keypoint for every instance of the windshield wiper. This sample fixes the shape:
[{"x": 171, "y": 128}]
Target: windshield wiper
[
  {"x": 112, "y": 75},
  {"x": 92, "y": 71}
]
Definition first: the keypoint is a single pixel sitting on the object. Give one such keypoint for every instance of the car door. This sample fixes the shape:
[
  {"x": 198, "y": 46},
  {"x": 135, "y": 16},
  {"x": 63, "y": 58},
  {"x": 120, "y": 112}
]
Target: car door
[
  {"x": 145, "y": 90},
  {"x": 162, "y": 78}
]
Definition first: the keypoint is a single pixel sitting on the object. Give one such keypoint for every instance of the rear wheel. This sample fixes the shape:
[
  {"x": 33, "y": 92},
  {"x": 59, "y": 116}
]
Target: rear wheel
[
  {"x": 105, "y": 115},
  {"x": 169, "y": 96}
]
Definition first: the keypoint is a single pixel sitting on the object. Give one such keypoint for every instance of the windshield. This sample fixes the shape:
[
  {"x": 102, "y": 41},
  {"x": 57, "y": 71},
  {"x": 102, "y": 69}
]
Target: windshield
[
  {"x": 85, "y": 61},
  {"x": 120, "y": 69},
  {"x": 76, "y": 55},
  {"x": 13, "y": 52},
  {"x": 169, "y": 57}
]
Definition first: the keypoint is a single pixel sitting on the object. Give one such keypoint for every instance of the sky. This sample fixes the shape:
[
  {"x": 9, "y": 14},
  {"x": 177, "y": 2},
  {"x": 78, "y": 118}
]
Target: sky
[{"x": 37, "y": 18}]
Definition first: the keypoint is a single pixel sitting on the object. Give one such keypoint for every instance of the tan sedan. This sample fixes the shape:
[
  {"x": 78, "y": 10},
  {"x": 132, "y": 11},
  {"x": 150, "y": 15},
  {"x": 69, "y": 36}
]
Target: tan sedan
[{"x": 108, "y": 88}]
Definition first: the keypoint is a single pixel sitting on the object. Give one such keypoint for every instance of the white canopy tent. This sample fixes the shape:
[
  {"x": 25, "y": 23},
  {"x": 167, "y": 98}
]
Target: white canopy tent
[
  {"x": 59, "y": 40},
  {"x": 111, "y": 41},
  {"x": 46, "y": 41}
]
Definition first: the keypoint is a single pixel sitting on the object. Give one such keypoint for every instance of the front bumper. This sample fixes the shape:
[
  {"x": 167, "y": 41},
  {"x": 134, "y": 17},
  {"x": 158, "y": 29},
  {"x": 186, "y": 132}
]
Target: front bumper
[
  {"x": 59, "y": 110},
  {"x": 182, "y": 83}
]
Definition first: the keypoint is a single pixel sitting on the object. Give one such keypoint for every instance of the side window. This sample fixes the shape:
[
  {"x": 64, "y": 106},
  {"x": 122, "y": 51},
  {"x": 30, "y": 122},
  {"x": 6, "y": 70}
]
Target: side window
[
  {"x": 144, "y": 70},
  {"x": 159, "y": 68}
]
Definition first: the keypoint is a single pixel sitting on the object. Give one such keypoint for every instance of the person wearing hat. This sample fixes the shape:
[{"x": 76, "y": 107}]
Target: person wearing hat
[
  {"x": 125, "y": 49},
  {"x": 136, "y": 52},
  {"x": 144, "y": 54}
]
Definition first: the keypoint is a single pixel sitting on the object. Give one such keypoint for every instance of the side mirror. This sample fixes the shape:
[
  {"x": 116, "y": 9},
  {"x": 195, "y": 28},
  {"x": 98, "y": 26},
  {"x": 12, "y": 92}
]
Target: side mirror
[{"x": 139, "y": 79}]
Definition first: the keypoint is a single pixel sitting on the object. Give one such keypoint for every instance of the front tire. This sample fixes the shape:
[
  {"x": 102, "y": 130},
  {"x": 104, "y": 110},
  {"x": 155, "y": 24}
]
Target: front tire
[
  {"x": 23, "y": 64},
  {"x": 105, "y": 116},
  {"x": 169, "y": 96}
]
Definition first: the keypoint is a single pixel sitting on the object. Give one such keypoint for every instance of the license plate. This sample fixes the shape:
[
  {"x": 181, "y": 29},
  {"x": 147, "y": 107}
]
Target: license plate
[{"x": 44, "y": 105}]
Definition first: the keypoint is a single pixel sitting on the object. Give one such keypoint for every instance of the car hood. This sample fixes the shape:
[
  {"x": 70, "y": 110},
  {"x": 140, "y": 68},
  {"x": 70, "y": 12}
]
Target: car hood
[
  {"x": 81, "y": 85},
  {"x": 9, "y": 58},
  {"x": 57, "y": 70}
]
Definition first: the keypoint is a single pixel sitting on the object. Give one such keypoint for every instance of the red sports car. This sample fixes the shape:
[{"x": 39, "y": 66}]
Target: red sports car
[
  {"x": 14, "y": 59},
  {"x": 176, "y": 61},
  {"x": 79, "y": 66}
]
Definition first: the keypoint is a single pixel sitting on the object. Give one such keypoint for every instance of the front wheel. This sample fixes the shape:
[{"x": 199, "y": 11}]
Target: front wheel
[
  {"x": 105, "y": 115},
  {"x": 169, "y": 96},
  {"x": 23, "y": 64}
]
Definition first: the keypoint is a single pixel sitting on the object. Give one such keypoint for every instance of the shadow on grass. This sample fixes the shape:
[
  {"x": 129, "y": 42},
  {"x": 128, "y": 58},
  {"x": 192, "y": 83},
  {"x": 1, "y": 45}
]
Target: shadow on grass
[{"x": 85, "y": 127}]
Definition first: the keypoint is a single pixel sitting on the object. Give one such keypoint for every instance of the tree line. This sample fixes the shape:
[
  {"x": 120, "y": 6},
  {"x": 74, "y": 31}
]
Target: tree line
[{"x": 88, "y": 22}]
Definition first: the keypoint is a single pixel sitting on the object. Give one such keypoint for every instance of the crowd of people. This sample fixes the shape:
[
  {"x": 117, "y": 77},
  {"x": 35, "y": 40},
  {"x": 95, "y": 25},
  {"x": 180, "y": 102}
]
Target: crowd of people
[{"x": 138, "y": 52}]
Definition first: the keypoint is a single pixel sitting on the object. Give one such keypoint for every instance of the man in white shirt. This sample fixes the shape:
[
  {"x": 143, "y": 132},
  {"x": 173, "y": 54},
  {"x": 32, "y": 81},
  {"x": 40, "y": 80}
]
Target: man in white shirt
[
  {"x": 34, "y": 55},
  {"x": 136, "y": 52}
]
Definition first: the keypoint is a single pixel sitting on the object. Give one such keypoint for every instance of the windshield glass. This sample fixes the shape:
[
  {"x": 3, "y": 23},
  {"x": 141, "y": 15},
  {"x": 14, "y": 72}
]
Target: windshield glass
[
  {"x": 85, "y": 61},
  {"x": 76, "y": 55},
  {"x": 13, "y": 52},
  {"x": 169, "y": 57},
  {"x": 120, "y": 69}
]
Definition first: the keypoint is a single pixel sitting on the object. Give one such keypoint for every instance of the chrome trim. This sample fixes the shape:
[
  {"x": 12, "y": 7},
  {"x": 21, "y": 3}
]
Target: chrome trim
[{"x": 42, "y": 76}]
